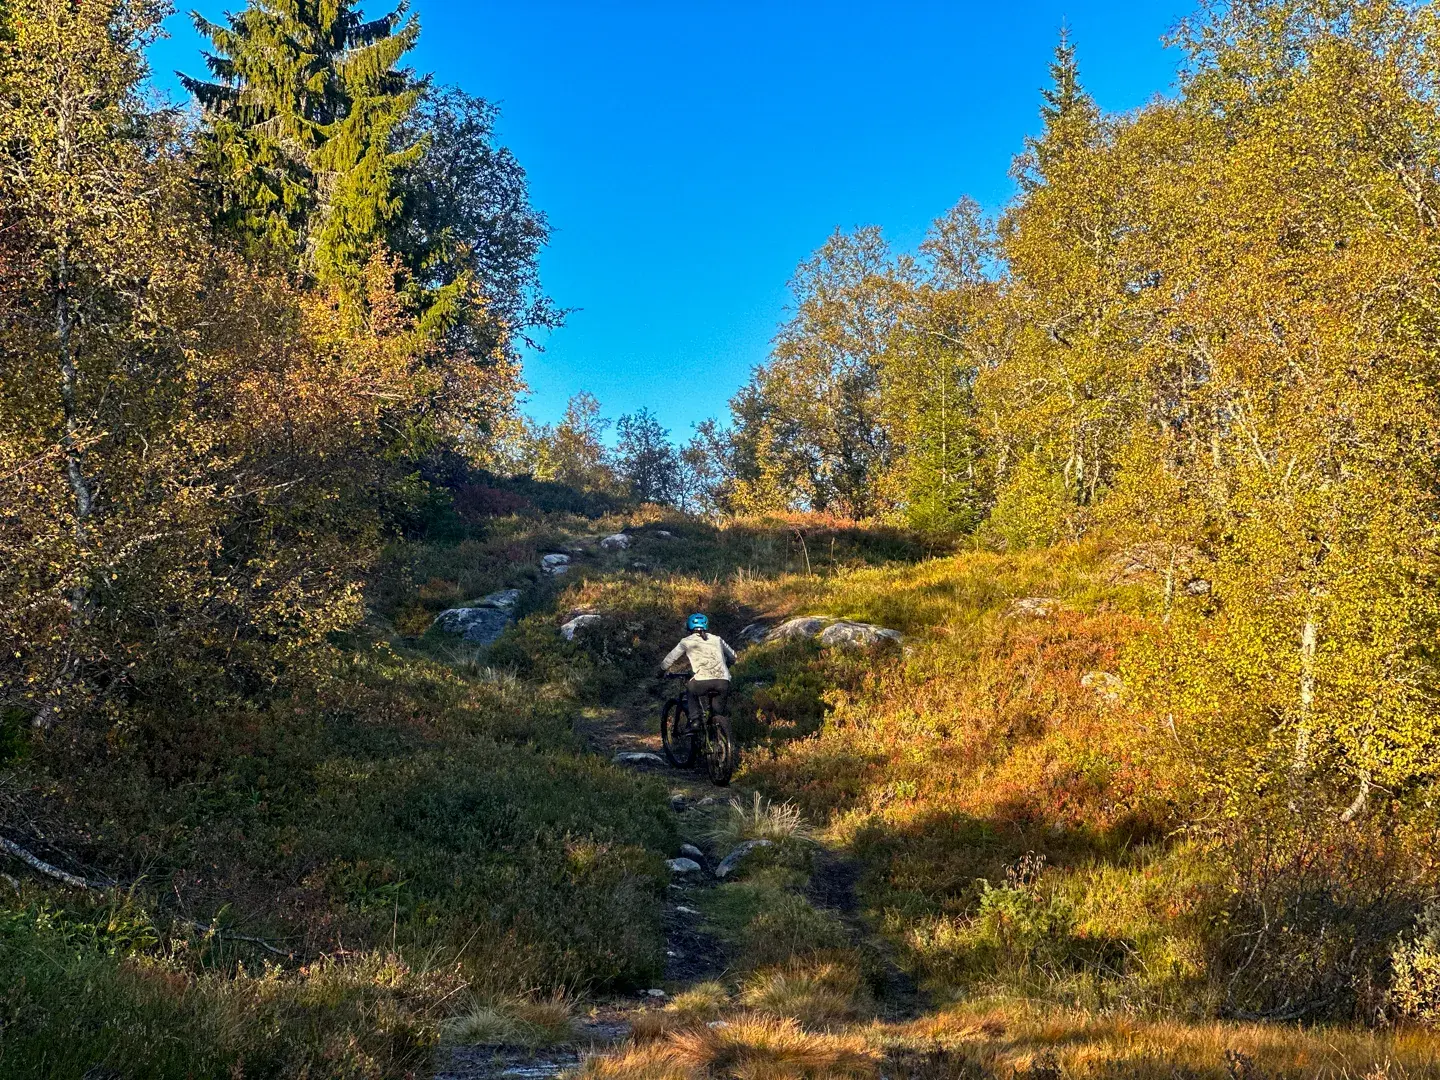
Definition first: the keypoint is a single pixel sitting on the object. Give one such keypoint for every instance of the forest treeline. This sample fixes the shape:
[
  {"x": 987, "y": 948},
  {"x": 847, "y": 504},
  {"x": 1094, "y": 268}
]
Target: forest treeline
[
  {"x": 255, "y": 355},
  {"x": 232, "y": 343},
  {"x": 1207, "y": 329}
]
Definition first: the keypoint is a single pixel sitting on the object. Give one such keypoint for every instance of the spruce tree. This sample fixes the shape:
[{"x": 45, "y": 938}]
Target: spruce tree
[
  {"x": 300, "y": 114},
  {"x": 1065, "y": 95},
  {"x": 1070, "y": 115}
]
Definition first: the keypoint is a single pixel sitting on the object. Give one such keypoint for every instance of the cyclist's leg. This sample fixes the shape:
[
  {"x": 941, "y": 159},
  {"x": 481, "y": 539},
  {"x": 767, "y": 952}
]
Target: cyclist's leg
[
  {"x": 700, "y": 691},
  {"x": 722, "y": 700}
]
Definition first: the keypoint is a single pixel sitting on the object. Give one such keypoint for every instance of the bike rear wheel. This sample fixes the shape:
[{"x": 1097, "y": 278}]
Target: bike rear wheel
[
  {"x": 679, "y": 744},
  {"x": 721, "y": 757}
]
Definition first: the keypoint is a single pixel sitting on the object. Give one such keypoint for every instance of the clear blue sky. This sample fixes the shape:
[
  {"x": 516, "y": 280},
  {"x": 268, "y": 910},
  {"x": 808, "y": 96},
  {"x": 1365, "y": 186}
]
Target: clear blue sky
[{"x": 690, "y": 154}]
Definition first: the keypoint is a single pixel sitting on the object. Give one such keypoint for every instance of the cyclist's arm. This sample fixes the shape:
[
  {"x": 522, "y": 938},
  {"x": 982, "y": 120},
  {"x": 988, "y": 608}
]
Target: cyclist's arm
[
  {"x": 672, "y": 657},
  {"x": 729, "y": 652}
]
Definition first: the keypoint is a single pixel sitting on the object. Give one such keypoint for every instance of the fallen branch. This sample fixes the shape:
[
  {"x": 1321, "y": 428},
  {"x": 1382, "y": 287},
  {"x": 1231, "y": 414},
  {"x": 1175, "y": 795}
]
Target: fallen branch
[
  {"x": 40, "y": 866},
  {"x": 227, "y": 935}
]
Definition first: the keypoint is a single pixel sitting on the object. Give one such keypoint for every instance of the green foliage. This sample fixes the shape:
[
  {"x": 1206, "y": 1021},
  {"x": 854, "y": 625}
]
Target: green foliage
[
  {"x": 466, "y": 214},
  {"x": 1415, "y": 984},
  {"x": 301, "y": 120},
  {"x": 807, "y": 431},
  {"x": 647, "y": 463},
  {"x": 76, "y": 1001},
  {"x": 1032, "y": 508}
]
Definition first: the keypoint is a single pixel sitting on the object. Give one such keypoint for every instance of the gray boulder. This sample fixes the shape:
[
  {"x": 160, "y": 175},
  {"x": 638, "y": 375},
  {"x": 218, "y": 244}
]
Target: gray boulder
[
  {"x": 505, "y": 600},
  {"x": 684, "y": 866},
  {"x": 477, "y": 625},
  {"x": 555, "y": 563},
  {"x": 806, "y": 626},
  {"x": 854, "y": 635},
  {"x": 735, "y": 858},
  {"x": 690, "y": 851},
  {"x": 617, "y": 542},
  {"x": 754, "y": 634},
  {"x": 1033, "y": 607},
  {"x": 578, "y": 623},
  {"x": 831, "y": 632}
]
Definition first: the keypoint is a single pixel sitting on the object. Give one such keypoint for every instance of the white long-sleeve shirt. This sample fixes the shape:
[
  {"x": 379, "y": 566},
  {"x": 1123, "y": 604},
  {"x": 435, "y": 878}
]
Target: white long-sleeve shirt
[{"x": 708, "y": 656}]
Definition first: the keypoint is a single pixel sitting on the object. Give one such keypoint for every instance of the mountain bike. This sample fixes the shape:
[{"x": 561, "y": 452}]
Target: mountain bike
[{"x": 684, "y": 742}]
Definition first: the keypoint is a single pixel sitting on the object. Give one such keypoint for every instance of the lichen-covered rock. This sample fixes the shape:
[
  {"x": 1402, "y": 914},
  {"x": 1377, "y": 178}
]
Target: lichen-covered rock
[
  {"x": 806, "y": 626},
  {"x": 684, "y": 866},
  {"x": 735, "y": 858},
  {"x": 616, "y": 542},
  {"x": 505, "y": 600},
  {"x": 578, "y": 623},
  {"x": 555, "y": 563},
  {"x": 477, "y": 625},
  {"x": 856, "y": 635},
  {"x": 754, "y": 634},
  {"x": 1105, "y": 684},
  {"x": 830, "y": 632},
  {"x": 1033, "y": 607}
]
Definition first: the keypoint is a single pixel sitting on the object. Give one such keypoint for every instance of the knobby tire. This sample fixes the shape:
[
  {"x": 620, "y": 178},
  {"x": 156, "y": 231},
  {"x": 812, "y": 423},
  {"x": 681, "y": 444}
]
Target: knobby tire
[
  {"x": 679, "y": 749},
  {"x": 720, "y": 754}
]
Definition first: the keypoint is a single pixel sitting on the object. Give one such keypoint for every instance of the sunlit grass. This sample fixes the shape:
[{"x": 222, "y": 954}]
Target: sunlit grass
[{"x": 511, "y": 1022}]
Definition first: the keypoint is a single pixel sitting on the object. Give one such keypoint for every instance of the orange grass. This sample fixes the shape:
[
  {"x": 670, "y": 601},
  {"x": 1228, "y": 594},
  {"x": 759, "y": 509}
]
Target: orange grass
[
  {"x": 746, "y": 1048},
  {"x": 1000, "y": 1038}
]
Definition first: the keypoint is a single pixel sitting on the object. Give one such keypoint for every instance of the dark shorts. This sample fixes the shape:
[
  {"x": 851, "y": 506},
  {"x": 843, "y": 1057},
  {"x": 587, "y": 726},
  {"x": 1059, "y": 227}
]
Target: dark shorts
[{"x": 697, "y": 689}]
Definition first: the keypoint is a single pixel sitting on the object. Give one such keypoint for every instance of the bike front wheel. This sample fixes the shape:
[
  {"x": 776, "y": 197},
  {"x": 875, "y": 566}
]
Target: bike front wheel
[
  {"x": 721, "y": 757},
  {"x": 679, "y": 743}
]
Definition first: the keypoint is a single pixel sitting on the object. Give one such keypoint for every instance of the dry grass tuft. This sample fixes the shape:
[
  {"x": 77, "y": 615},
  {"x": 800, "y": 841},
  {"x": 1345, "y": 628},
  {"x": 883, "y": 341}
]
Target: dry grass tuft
[
  {"x": 761, "y": 819},
  {"x": 764, "y": 1048},
  {"x": 515, "y": 1022},
  {"x": 636, "y": 1063},
  {"x": 1024, "y": 1039},
  {"x": 815, "y": 993},
  {"x": 700, "y": 1004}
]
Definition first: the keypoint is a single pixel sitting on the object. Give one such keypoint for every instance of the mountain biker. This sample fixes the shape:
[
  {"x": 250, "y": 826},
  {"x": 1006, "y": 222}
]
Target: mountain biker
[{"x": 709, "y": 658}]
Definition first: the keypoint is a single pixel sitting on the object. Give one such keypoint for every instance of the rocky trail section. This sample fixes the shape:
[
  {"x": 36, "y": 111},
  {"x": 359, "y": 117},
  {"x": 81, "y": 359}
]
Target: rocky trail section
[{"x": 624, "y": 735}]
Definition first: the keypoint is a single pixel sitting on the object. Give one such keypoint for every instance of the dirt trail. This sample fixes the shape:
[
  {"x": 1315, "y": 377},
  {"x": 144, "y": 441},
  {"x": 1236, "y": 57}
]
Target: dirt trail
[{"x": 693, "y": 956}]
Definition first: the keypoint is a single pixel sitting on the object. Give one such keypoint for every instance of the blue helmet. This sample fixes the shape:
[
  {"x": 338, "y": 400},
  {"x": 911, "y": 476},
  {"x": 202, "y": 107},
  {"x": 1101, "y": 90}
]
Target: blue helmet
[{"x": 697, "y": 622}]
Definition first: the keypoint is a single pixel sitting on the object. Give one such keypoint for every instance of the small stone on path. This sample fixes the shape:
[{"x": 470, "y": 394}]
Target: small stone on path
[
  {"x": 684, "y": 866},
  {"x": 637, "y": 757},
  {"x": 736, "y": 857},
  {"x": 690, "y": 851}
]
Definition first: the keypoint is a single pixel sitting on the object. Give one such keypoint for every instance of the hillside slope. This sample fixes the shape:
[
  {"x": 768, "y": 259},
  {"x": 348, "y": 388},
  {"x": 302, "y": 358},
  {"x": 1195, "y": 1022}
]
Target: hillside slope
[{"x": 983, "y": 857}]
